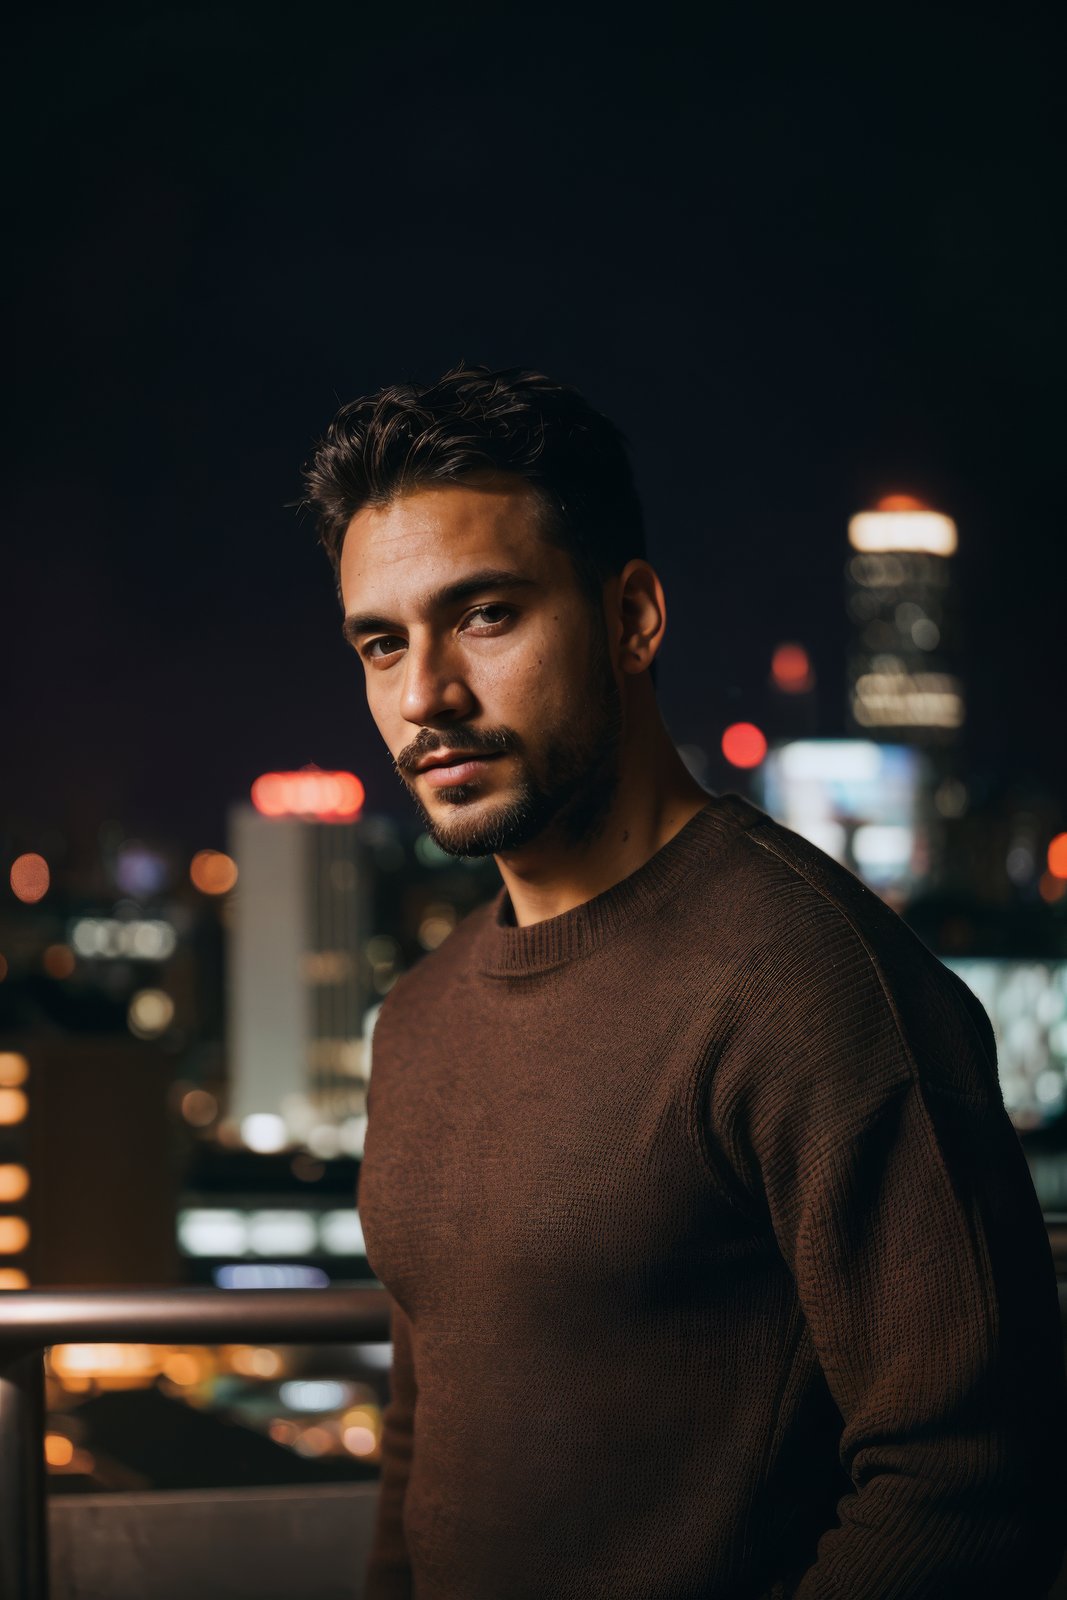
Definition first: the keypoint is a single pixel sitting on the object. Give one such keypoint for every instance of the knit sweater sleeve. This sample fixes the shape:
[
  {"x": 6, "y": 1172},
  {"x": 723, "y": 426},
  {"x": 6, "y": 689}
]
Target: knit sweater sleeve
[
  {"x": 388, "y": 1574},
  {"x": 861, "y": 1114}
]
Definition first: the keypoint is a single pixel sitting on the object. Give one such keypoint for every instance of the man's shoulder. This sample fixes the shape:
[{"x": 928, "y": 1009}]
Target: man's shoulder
[
  {"x": 781, "y": 887},
  {"x": 826, "y": 960},
  {"x": 781, "y": 897}
]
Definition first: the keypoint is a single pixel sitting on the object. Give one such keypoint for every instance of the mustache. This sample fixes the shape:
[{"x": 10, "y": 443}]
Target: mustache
[{"x": 460, "y": 736}]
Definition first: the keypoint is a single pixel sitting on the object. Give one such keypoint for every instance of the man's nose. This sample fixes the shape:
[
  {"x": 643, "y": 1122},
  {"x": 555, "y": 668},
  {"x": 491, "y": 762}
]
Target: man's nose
[{"x": 434, "y": 686}]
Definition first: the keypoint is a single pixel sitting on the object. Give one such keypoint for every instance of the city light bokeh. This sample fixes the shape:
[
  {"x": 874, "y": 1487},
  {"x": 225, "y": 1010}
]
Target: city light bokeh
[
  {"x": 310, "y": 793},
  {"x": 791, "y": 669},
  {"x": 213, "y": 872},
  {"x": 30, "y": 878},
  {"x": 809, "y": 264},
  {"x": 744, "y": 745},
  {"x": 241, "y": 992},
  {"x": 1057, "y": 856}
]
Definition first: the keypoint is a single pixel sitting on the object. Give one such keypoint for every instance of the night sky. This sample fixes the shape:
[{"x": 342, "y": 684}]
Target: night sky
[{"x": 803, "y": 256}]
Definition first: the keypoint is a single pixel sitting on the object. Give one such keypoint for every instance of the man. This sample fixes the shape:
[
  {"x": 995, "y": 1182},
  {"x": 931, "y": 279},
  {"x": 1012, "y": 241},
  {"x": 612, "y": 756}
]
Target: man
[{"x": 715, "y": 1265}]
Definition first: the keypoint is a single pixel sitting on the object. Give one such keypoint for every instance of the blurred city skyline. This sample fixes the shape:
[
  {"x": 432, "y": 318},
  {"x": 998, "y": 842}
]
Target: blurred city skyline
[
  {"x": 810, "y": 263},
  {"x": 802, "y": 264}
]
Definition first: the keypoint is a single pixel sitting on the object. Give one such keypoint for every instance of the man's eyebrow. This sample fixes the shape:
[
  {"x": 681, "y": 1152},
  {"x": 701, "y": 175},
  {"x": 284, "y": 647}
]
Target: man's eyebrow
[{"x": 452, "y": 594}]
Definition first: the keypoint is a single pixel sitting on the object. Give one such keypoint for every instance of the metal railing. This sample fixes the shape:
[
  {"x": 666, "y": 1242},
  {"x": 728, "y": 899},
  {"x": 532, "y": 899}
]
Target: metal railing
[{"x": 33, "y": 1319}]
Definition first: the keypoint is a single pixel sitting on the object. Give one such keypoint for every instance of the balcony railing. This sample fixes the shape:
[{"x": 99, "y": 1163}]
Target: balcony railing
[{"x": 32, "y": 1320}]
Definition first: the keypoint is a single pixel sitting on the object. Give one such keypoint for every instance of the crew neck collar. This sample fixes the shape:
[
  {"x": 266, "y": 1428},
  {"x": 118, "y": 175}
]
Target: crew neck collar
[{"x": 505, "y": 950}]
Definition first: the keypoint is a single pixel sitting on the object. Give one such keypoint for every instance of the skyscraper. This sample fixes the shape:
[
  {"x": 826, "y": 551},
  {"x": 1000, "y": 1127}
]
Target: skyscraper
[
  {"x": 297, "y": 996},
  {"x": 903, "y": 682}
]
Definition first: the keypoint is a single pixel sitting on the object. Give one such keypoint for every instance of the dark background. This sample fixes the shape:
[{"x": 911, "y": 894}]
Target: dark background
[{"x": 804, "y": 256}]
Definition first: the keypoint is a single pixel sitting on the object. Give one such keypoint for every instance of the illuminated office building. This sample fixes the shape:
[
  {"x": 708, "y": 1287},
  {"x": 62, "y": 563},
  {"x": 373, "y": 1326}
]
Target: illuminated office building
[
  {"x": 1026, "y": 1002},
  {"x": 902, "y": 682},
  {"x": 860, "y": 801},
  {"x": 297, "y": 999}
]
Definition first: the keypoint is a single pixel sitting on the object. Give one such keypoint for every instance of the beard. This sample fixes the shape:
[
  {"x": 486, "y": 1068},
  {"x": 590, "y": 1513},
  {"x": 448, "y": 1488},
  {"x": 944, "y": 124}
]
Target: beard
[{"x": 567, "y": 775}]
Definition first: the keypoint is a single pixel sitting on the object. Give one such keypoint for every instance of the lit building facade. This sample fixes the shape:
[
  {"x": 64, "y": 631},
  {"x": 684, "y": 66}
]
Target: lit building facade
[
  {"x": 903, "y": 684},
  {"x": 297, "y": 991},
  {"x": 860, "y": 801}
]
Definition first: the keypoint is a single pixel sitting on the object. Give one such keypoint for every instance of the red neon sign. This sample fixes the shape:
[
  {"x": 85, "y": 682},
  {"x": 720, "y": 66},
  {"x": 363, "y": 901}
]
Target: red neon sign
[{"x": 327, "y": 796}]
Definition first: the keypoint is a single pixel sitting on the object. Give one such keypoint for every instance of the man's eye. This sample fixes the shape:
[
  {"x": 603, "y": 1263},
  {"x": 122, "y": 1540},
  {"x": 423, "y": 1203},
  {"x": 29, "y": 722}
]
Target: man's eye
[
  {"x": 489, "y": 615},
  {"x": 387, "y": 645}
]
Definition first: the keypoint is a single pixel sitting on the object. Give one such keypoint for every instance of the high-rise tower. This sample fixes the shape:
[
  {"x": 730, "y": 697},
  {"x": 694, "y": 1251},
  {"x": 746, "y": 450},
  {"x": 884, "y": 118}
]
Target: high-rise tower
[
  {"x": 300, "y": 918},
  {"x": 903, "y": 682}
]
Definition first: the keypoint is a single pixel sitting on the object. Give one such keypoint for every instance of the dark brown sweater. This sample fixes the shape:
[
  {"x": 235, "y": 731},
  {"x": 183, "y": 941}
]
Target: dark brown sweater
[{"x": 716, "y": 1266}]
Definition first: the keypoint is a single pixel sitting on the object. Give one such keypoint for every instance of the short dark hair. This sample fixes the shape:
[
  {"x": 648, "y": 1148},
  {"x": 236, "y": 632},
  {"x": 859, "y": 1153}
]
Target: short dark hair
[{"x": 474, "y": 421}]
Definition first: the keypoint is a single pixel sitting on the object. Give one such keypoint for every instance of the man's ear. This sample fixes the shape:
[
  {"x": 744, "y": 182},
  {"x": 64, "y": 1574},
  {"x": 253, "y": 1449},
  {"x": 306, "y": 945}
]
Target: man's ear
[{"x": 640, "y": 616}]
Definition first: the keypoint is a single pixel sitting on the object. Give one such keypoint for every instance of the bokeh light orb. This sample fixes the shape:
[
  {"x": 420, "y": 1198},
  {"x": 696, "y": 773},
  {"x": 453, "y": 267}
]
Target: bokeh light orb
[
  {"x": 791, "y": 669},
  {"x": 14, "y": 1182},
  {"x": 58, "y": 1450},
  {"x": 14, "y": 1235},
  {"x": 359, "y": 1440},
  {"x": 264, "y": 1132},
  {"x": 13, "y": 1107},
  {"x": 14, "y": 1069},
  {"x": 744, "y": 745},
  {"x": 199, "y": 1108},
  {"x": 213, "y": 872},
  {"x": 58, "y": 961},
  {"x": 30, "y": 878},
  {"x": 150, "y": 1013},
  {"x": 1057, "y": 856},
  {"x": 141, "y": 871}
]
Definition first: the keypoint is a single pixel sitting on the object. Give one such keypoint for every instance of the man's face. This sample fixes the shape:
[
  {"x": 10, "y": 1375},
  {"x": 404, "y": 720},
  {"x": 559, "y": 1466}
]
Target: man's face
[{"x": 487, "y": 667}]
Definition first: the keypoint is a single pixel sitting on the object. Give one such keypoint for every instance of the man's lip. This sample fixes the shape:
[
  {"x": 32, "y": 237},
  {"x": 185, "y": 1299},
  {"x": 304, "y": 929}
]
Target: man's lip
[
  {"x": 452, "y": 758},
  {"x": 455, "y": 771}
]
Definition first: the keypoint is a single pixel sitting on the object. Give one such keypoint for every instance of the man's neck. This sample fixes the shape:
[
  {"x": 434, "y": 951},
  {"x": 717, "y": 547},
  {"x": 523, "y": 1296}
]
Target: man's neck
[{"x": 655, "y": 797}]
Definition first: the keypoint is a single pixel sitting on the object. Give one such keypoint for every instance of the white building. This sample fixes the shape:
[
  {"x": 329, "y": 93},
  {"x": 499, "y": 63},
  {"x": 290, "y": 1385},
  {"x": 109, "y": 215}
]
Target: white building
[{"x": 297, "y": 994}]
